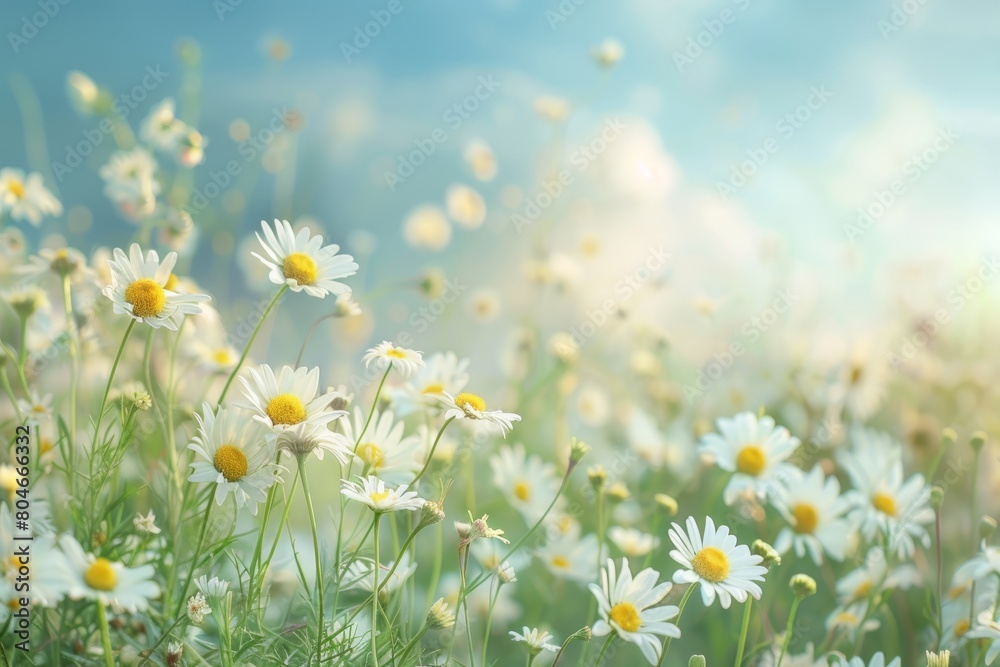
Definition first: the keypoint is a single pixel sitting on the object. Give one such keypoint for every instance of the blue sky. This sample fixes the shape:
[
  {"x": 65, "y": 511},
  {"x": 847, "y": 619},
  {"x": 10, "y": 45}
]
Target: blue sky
[{"x": 891, "y": 93}]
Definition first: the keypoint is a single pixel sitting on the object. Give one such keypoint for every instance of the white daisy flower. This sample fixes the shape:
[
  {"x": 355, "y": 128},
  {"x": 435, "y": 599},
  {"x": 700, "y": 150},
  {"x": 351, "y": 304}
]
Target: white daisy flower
[
  {"x": 426, "y": 227},
  {"x": 754, "y": 451},
  {"x": 26, "y": 198},
  {"x": 129, "y": 182},
  {"x": 814, "y": 508},
  {"x": 857, "y": 584},
  {"x": 536, "y": 640},
  {"x": 198, "y": 608},
  {"x": 442, "y": 371},
  {"x": 985, "y": 564},
  {"x": 52, "y": 575},
  {"x": 383, "y": 449},
  {"x": 471, "y": 406},
  {"x": 870, "y": 455},
  {"x": 527, "y": 483},
  {"x": 315, "y": 439},
  {"x": 890, "y": 506},
  {"x": 83, "y": 93},
  {"x": 850, "y": 620},
  {"x": 877, "y": 660},
  {"x": 36, "y": 405},
  {"x": 96, "y": 578},
  {"x": 236, "y": 456},
  {"x": 405, "y": 361},
  {"x": 717, "y": 562},
  {"x": 359, "y": 574},
  {"x": 608, "y": 52},
  {"x": 570, "y": 556},
  {"x": 632, "y": 542},
  {"x": 161, "y": 129},
  {"x": 987, "y": 628},
  {"x": 465, "y": 206},
  {"x": 302, "y": 262},
  {"x": 289, "y": 399},
  {"x": 138, "y": 289},
  {"x": 481, "y": 159},
  {"x": 59, "y": 262},
  {"x": 146, "y": 524},
  {"x": 626, "y": 608},
  {"x": 212, "y": 589},
  {"x": 373, "y": 492}
]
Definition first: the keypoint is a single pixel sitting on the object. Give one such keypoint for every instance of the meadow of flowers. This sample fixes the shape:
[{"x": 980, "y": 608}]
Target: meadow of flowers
[{"x": 659, "y": 476}]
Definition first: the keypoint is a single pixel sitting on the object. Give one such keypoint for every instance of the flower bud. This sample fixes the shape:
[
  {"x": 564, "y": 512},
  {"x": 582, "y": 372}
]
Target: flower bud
[
  {"x": 937, "y": 496},
  {"x": 440, "y": 617},
  {"x": 767, "y": 552},
  {"x": 667, "y": 503},
  {"x": 938, "y": 659},
  {"x": 618, "y": 492},
  {"x": 597, "y": 476},
  {"x": 977, "y": 440},
  {"x": 431, "y": 513},
  {"x": 696, "y": 661},
  {"x": 803, "y": 586},
  {"x": 142, "y": 400},
  {"x": 577, "y": 450}
]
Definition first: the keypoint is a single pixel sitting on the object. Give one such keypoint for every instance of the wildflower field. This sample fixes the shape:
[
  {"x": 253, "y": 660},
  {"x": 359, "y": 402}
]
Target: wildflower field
[{"x": 387, "y": 356}]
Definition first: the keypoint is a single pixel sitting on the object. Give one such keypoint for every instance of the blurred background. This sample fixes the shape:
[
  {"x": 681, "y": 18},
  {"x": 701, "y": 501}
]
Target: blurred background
[{"x": 845, "y": 152}]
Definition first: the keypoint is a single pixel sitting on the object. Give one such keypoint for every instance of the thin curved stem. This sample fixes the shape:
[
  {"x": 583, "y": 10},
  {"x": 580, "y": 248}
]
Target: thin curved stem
[
  {"x": 253, "y": 336},
  {"x": 430, "y": 454},
  {"x": 318, "y": 556}
]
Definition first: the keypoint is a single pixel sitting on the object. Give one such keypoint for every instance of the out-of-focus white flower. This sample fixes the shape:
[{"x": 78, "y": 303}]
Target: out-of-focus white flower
[
  {"x": 26, "y": 197},
  {"x": 608, "y": 52},
  {"x": 426, "y": 227},
  {"x": 465, "y": 206},
  {"x": 481, "y": 159}
]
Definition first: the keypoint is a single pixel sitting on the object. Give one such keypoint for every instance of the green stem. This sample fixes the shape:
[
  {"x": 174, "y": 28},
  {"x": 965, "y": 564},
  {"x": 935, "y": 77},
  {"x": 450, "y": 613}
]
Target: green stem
[
  {"x": 489, "y": 621},
  {"x": 253, "y": 336},
  {"x": 677, "y": 619},
  {"x": 409, "y": 646},
  {"x": 371, "y": 413},
  {"x": 788, "y": 629},
  {"x": 22, "y": 355},
  {"x": 430, "y": 454},
  {"x": 319, "y": 560},
  {"x": 111, "y": 378},
  {"x": 74, "y": 355},
  {"x": 604, "y": 649},
  {"x": 743, "y": 632},
  {"x": 102, "y": 618},
  {"x": 197, "y": 553},
  {"x": 375, "y": 587}
]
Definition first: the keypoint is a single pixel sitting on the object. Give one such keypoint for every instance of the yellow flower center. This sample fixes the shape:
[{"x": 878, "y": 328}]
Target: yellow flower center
[
  {"x": 806, "y": 518},
  {"x": 301, "y": 268},
  {"x": 961, "y": 627},
  {"x": 378, "y": 496},
  {"x": 884, "y": 503},
  {"x": 711, "y": 564},
  {"x": 433, "y": 388},
  {"x": 13, "y": 604},
  {"x": 371, "y": 454},
  {"x": 395, "y": 353},
  {"x": 862, "y": 591},
  {"x": 522, "y": 491},
  {"x": 147, "y": 297},
  {"x": 286, "y": 409},
  {"x": 171, "y": 283},
  {"x": 625, "y": 616},
  {"x": 231, "y": 462},
  {"x": 845, "y": 618},
  {"x": 560, "y": 561},
  {"x": 16, "y": 188},
  {"x": 222, "y": 357},
  {"x": 751, "y": 460},
  {"x": 466, "y": 401},
  {"x": 101, "y": 575},
  {"x": 956, "y": 591}
]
